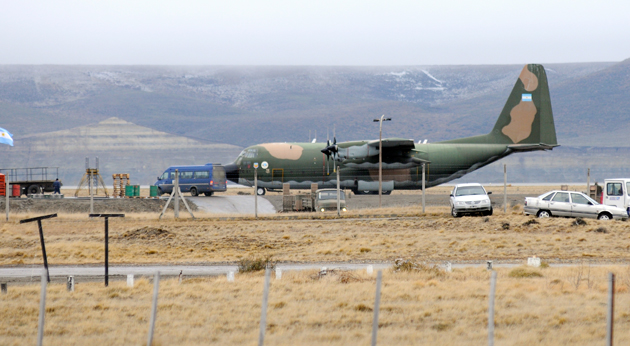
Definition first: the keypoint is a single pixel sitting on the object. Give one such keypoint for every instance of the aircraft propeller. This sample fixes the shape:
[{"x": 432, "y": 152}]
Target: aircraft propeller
[{"x": 331, "y": 149}]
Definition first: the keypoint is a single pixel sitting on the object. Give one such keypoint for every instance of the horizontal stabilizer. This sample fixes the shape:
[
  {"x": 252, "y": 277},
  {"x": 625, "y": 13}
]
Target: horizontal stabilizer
[{"x": 531, "y": 147}]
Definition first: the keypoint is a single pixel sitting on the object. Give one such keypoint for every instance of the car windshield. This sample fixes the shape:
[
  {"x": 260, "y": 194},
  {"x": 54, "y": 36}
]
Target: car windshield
[
  {"x": 330, "y": 195},
  {"x": 470, "y": 191}
]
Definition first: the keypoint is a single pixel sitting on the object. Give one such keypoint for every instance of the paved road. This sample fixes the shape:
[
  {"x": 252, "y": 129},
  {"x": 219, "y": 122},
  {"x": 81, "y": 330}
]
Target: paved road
[
  {"x": 232, "y": 205},
  {"x": 211, "y": 270},
  {"x": 149, "y": 270}
]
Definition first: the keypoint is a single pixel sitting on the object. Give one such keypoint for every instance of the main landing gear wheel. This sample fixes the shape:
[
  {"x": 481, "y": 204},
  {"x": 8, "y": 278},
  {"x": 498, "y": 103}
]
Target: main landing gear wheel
[
  {"x": 261, "y": 191},
  {"x": 543, "y": 213},
  {"x": 194, "y": 192}
]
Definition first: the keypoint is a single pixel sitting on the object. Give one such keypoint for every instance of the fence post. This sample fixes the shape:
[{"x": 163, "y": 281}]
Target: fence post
[
  {"x": 7, "y": 194},
  {"x": 338, "y": 196},
  {"x": 423, "y": 186},
  {"x": 493, "y": 286},
  {"x": 278, "y": 273},
  {"x": 256, "y": 190},
  {"x": 129, "y": 280},
  {"x": 588, "y": 183},
  {"x": 42, "y": 309},
  {"x": 263, "y": 314},
  {"x": 70, "y": 283},
  {"x": 505, "y": 188},
  {"x": 3, "y": 287},
  {"x": 156, "y": 288},
  {"x": 377, "y": 303},
  {"x": 610, "y": 321},
  {"x": 176, "y": 189}
]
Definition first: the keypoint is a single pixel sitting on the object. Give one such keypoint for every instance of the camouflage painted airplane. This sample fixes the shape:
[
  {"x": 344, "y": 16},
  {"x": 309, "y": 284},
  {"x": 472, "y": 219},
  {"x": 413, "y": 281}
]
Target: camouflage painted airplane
[{"x": 525, "y": 124}]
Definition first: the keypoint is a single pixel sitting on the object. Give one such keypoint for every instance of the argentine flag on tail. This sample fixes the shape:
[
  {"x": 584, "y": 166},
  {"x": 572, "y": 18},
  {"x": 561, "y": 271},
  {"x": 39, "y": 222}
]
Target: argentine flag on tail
[{"x": 6, "y": 137}]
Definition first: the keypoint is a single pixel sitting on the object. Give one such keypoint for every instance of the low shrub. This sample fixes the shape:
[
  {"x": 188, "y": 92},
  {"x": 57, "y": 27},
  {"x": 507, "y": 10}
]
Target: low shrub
[
  {"x": 401, "y": 265},
  {"x": 531, "y": 222},
  {"x": 254, "y": 265},
  {"x": 524, "y": 273},
  {"x": 578, "y": 222}
]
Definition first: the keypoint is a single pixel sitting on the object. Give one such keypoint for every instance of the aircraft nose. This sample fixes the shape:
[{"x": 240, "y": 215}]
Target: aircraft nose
[{"x": 231, "y": 172}]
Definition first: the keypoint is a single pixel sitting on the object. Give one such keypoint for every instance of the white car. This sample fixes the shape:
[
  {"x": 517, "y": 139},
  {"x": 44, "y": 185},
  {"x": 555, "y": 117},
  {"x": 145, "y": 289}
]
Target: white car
[
  {"x": 469, "y": 199},
  {"x": 571, "y": 204}
]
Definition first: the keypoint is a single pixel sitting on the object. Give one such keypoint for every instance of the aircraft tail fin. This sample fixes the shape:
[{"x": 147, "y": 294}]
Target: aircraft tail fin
[
  {"x": 526, "y": 121},
  {"x": 527, "y": 117}
]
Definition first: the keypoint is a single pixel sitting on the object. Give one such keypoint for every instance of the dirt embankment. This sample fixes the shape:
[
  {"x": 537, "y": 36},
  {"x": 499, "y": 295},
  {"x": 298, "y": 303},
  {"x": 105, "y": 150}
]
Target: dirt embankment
[{"x": 114, "y": 205}]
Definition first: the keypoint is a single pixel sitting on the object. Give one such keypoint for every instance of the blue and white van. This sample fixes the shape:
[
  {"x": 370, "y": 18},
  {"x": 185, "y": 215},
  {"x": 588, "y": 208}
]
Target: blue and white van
[{"x": 206, "y": 179}]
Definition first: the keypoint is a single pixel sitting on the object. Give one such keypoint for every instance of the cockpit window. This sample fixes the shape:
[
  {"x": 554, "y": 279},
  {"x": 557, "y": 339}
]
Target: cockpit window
[
  {"x": 250, "y": 153},
  {"x": 246, "y": 154}
]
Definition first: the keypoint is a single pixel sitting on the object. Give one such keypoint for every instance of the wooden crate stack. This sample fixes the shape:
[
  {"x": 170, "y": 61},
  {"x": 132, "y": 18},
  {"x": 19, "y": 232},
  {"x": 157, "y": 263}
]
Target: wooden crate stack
[{"x": 120, "y": 181}]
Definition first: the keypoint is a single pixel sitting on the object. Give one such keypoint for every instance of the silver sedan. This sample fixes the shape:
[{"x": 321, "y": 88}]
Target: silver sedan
[{"x": 571, "y": 204}]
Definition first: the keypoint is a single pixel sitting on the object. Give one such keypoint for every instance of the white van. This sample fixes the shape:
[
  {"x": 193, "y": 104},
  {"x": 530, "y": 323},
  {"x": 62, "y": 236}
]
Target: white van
[{"x": 617, "y": 192}]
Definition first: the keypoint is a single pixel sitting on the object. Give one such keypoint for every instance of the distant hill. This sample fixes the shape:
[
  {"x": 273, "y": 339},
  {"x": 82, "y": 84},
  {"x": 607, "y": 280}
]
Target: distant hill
[
  {"x": 248, "y": 105},
  {"x": 167, "y": 115},
  {"x": 122, "y": 147}
]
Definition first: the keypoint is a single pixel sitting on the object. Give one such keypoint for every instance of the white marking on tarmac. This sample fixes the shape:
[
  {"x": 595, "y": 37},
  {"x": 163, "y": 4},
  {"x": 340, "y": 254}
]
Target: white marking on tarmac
[{"x": 232, "y": 204}]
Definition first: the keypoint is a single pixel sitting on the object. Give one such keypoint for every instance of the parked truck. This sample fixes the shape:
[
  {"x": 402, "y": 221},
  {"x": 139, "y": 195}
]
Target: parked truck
[
  {"x": 617, "y": 192},
  {"x": 33, "y": 180}
]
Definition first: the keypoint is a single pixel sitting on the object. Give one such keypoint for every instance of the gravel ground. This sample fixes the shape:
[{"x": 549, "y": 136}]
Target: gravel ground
[
  {"x": 71, "y": 205},
  {"x": 141, "y": 205},
  {"x": 371, "y": 201}
]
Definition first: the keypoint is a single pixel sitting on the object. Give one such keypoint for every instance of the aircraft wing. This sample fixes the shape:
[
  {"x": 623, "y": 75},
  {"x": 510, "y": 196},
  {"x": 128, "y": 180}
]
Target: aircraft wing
[{"x": 394, "y": 143}]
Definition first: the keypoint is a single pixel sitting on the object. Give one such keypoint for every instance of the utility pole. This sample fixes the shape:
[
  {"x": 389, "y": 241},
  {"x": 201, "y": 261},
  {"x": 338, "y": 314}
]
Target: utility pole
[{"x": 380, "y": 157}]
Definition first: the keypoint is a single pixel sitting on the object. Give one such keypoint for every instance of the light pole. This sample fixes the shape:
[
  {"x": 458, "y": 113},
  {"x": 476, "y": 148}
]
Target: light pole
[{"x": 380, "y": 156}]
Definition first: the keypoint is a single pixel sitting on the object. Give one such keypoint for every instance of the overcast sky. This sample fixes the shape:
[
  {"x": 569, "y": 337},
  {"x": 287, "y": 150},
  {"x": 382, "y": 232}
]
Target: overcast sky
[{"x": 316, "y": 32}]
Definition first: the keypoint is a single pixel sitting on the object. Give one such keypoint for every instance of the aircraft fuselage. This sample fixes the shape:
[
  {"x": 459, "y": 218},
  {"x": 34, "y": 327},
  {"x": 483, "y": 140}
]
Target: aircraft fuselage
[{"x": 302, "y": 164}]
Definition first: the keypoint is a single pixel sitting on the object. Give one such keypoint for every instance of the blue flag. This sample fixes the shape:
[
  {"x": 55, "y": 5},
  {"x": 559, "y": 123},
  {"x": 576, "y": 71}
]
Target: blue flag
[{"x": 6, "y": 137}]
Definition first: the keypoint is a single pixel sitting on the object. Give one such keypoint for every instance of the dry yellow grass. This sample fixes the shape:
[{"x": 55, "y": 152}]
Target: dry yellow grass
[
  {"x": 141, "y": 238},
  {"x": 416, "y": 308}
]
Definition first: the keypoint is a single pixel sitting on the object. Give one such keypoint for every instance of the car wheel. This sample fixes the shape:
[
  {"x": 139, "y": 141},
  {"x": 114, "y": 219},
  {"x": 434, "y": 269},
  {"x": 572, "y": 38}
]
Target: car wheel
[
  {"x": 489, "y": 212},
  {"x": 543, "y": 213},
  {"x": 455, "y": 213},
  {"x": 261, "y": 191},
  {"x": 33, "y": 190},
  {"x": 194, "y": 192},
  {"x": 160, "y": 192},
  {"x": 208, "y": 194},
  {"x": 603, "y": 216}
]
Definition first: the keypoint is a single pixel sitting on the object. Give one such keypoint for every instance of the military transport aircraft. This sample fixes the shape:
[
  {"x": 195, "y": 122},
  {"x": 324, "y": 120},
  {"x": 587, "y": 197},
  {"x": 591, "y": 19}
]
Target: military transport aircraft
[{"x": 525, "y": 124}]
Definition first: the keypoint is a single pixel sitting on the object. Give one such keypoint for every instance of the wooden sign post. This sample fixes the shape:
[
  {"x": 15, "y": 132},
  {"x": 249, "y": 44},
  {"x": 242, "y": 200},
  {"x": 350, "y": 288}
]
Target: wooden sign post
[
  {"x": 107, "y": 216},
  {"x": 41, "y": 238}
]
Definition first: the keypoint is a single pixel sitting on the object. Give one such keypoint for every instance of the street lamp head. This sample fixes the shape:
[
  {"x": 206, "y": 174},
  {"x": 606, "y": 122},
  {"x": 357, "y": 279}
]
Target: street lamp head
[
  {"x": 376, "y": 120},
  {"x": 387, "y": 119}
]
